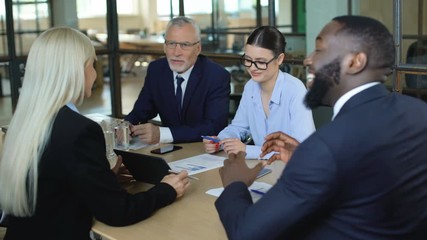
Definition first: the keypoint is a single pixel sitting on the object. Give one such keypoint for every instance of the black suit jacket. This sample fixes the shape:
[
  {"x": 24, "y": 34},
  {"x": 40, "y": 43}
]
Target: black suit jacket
[
  {"x": 76, "y": 184},
  {"x": 362, "y": 176},
  {"x": 205, "y": 106}
]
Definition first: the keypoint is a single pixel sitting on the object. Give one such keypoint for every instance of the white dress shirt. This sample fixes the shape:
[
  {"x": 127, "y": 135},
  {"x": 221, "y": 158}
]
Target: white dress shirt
[
  {"x": 165, "y": 132},
  {"x": 344, "y": 98}
]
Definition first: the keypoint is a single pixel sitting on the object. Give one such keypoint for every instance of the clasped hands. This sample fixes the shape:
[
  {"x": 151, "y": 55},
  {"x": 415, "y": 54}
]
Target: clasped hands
[
  {"x": 235, "y": 167},
  {"x": 229, "y": 145}
]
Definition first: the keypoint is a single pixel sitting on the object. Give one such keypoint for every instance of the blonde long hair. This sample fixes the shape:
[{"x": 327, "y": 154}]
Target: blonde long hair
[{"x": 54, "y": 76}]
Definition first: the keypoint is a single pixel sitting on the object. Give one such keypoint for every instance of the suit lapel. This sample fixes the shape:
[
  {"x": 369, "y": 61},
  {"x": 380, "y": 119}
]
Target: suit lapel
[
  {"x": 193, "y": 81},
  {"x": 167, "y": 89},
  {"x": 370, "y": 94}
]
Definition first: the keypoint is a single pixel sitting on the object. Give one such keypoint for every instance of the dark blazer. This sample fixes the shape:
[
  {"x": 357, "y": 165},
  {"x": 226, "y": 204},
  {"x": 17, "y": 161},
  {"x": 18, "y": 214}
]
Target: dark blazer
[
  {"x": 76, "y": 184},
  {"x": 205, "y": 106},
  {"x": 362, "y": 176}
]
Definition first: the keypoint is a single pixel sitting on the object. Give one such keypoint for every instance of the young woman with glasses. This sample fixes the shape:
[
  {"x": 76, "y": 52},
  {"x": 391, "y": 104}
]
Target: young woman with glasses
[{"x": 272, "y": 100}]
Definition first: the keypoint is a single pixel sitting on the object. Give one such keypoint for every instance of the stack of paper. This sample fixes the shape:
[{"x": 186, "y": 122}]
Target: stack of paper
[
  {"x": 198, "y": 164},
  {"x": 257, "y": 190}
]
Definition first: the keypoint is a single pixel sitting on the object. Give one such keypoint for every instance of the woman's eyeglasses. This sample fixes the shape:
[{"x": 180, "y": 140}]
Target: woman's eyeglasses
[{"x": 258, "y": 64}]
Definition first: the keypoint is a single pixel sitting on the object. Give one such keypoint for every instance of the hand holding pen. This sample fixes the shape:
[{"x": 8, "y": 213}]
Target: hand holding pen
[
  {"x": 177, "y": 172},
  {"x": 211, "y": 144}
]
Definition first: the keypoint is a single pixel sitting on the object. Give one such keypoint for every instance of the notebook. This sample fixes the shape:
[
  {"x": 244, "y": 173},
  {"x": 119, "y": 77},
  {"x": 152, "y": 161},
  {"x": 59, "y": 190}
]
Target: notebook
[{"x": 144, "y": 168}]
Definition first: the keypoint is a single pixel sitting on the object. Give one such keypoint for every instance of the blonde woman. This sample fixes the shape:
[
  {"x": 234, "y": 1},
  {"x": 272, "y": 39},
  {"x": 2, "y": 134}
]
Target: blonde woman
[{"x": 54, "y": 176}]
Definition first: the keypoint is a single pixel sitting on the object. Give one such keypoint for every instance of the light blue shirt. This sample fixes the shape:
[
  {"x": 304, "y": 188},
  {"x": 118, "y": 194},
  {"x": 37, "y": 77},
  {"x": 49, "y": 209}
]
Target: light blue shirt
[
  {"x": 2, "y": 216},
  {"x": 72, "y": 107},
  {"x": 287, "y": 114}
]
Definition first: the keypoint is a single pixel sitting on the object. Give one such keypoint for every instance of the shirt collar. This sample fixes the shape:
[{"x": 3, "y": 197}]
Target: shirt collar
[
  {"x": 185, "y": 75},
  {"x": 72, "y": 107},
  {"x": 344, "y": 98},
  {"x": 277, "y": 90}
]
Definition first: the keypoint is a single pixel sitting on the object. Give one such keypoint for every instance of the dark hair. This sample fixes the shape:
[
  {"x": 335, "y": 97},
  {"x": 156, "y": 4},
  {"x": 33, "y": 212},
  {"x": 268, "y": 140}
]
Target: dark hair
[
  {"x": 269, "y": 38},
  {"x": 371, "y": 37}
]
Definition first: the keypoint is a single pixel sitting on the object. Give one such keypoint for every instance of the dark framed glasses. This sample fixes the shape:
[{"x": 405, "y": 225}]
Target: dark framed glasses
[
  {"x": 261, "y": 65},
  {"x": 182, "y": 45}
]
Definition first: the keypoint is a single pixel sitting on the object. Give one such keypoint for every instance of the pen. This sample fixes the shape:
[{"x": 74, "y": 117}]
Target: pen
[
  {"x": 211, "y": 138},
  {"x": 176, "y": 172},
  {"x": 257, "y": 191}
]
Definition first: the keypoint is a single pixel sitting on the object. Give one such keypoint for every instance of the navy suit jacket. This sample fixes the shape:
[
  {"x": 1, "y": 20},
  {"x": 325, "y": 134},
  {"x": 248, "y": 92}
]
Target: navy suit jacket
[
  {"x": 362, "y": 176},
  {"x": 205, "y": 105},
  {"x": 76, "y": 184}
]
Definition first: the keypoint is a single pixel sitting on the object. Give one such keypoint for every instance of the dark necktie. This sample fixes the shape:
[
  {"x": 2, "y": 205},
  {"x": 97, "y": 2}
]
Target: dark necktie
[{"x": 178, "y": 94}]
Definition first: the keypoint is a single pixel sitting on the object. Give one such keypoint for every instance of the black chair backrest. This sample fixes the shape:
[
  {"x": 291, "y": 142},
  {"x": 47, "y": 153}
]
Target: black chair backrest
[{"x": 417, "y": 54}]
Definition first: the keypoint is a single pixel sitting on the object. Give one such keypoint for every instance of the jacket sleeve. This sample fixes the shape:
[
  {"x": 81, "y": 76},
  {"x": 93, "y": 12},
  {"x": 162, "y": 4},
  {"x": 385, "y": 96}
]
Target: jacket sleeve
[
  {"x": 144, "y": 108},
  {"x": 98, "y": 189},
  {"x": 301, "y": 192}
]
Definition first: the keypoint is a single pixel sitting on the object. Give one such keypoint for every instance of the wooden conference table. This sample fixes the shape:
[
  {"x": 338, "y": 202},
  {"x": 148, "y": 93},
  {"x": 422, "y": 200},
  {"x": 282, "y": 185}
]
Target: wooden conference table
[{"x": 191, "y": 217}]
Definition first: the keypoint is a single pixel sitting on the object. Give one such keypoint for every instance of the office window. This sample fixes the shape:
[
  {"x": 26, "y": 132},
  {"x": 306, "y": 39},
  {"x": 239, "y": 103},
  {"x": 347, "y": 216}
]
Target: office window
[
  {"x": 194, "y": 7},
  {"x": 30, "y": 10},
  {"x": 237, "y": 5},
  {"x": 97, "y": 8},
  {"x": 3, "y": 31},
  {"x": 191, "y": 7},
  {"x": 31, "y": 17},
  {"x": 164, "y": 7}
]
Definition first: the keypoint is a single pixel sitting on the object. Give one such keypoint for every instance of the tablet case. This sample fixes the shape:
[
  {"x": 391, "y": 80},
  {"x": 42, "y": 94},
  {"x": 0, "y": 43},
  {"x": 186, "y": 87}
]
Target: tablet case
[{"x": 144, "y": 168}]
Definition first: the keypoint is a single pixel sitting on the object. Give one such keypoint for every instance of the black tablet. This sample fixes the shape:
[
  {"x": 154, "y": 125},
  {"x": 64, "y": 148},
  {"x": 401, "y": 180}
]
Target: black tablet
[{"x": 144, "y": 168}]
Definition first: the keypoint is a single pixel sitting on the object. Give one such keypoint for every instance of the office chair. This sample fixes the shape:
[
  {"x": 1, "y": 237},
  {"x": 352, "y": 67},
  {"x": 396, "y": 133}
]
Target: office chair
[{"x": 417, "y": 54}]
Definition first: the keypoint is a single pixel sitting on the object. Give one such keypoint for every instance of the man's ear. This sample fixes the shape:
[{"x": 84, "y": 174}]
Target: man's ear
[{"x": 355, "y": 63}]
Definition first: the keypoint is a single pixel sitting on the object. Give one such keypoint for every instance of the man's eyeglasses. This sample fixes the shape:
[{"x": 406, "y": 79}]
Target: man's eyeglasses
[
  {"x": 182, "y": 45},
  {"x": 258, "y": 64}
]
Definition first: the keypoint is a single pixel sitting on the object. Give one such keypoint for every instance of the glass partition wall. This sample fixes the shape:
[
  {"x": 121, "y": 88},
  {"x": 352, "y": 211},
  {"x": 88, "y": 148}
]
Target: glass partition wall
[
  {"x": 21, "y": 21},
  {"x": 411, "y": 33},
  {"x": 407, "y": 21},
  {"x": 92, "y": 18},
  {"x": 5, "y": 99},
  {"x": 128, "y": 34}
]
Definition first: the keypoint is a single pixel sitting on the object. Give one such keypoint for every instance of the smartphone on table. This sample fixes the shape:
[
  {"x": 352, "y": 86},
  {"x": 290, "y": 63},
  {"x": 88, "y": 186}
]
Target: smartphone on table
[{"x": 165, "y": 149}]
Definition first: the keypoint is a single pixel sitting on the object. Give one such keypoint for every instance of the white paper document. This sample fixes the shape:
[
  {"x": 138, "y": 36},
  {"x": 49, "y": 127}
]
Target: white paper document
[
  {"x": 198, "y": 164},
  {"x": 257, "y": 190}
]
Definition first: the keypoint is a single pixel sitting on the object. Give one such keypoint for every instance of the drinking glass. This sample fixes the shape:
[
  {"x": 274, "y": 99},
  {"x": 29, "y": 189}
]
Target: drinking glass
[
  {"x": 122, "y": 135},
  {"x": 109, "y": 143}
]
